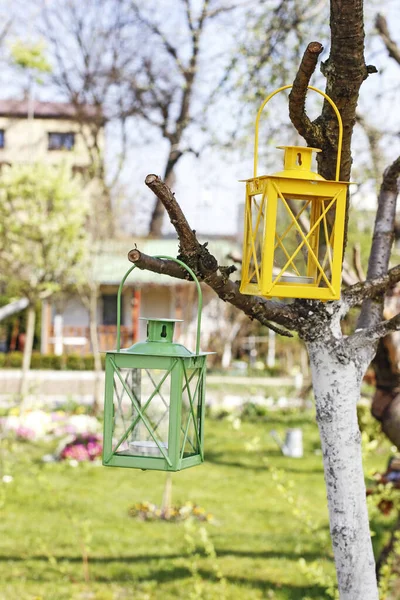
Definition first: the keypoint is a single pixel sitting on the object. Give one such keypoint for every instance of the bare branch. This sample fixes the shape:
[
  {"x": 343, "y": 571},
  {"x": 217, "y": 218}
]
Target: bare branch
[
  {"x": 391, "y": 46},
  {"x": 382, "y": 241},
  {"x": 297, "y": 97},
  {"x": 188, "y": 12},
  {"x": 363, "y": 337},
  {"x": 357, "y": 262},
  {"x": 252, "y": 306},
  {"x": 206, "y": 267},
  {"x": 372, "y": 288},
  {"x": 171, "y": 50},
  {"x": 374, "y": 136}
]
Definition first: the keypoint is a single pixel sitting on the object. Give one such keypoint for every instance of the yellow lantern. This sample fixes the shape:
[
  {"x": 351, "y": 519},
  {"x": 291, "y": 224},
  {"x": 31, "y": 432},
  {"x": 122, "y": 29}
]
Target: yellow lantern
[{"x": 294, "y": 226}]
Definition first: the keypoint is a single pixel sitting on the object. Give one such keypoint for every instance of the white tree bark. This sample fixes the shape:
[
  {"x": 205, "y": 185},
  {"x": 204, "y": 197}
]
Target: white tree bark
[{"x": 337, "y": 374}]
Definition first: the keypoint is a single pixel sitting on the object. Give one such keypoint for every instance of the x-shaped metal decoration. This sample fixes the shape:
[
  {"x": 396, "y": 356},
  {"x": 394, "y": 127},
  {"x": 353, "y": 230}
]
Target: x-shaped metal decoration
[{"x": 305, "y": 239}]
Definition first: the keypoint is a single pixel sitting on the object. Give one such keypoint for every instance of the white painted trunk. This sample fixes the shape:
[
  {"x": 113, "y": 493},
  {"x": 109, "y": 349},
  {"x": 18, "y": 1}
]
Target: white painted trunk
[{"x": 337, "y": 382}]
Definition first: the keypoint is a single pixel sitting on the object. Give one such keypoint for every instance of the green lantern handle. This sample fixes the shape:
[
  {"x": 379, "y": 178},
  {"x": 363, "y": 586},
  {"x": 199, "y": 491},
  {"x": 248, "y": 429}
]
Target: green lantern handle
[
  {"x": 199, "y": 304},
  {"x": 331, "y": 102}
]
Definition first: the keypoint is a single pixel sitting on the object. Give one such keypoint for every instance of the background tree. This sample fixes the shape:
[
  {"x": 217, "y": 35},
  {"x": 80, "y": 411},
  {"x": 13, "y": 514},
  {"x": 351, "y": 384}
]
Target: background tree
[
  {"x": 156, "y": 70},
  {"x": 31, "y": 59},
  {"x": 386, "y": 400},
  {"x": 338, "y": 362},
  {"x": 42, "y": 237}
]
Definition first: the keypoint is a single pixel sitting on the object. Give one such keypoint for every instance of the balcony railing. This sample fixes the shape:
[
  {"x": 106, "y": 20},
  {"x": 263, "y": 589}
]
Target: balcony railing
[{"x": 76, "y": 340}]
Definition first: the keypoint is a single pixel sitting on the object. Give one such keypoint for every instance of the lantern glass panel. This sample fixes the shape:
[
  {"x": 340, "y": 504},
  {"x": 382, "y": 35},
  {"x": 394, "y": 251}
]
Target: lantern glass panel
[
  {"x": 191, "y": 412},
  {"x": 141, "y": 412},
  {"x": 303, "y": 240},
  {"x": 256, "y": 218}
]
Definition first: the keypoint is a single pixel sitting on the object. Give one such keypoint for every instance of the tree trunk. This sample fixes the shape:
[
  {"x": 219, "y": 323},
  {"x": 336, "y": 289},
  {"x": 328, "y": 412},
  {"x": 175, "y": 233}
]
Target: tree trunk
[
  {"x": 337, "y": 381},
  {"x": 26, "y": 362},
  {"x": 94, "y": 340}
]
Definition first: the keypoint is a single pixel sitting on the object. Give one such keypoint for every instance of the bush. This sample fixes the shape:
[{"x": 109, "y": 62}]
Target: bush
[
  {"x": 74, "y": 362},
  {"x": 253, "y": 412},
  {"x": 14, "y": 360}
]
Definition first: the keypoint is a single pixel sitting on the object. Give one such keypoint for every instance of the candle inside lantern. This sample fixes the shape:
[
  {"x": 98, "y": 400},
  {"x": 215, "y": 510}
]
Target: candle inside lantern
[
  {"x": 295, "y": 279},
  {"x": 146, "y": 448}
]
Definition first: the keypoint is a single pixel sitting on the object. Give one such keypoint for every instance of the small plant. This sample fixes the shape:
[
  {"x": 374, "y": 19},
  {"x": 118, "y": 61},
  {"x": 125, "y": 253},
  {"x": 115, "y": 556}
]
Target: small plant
[
  {"x": 146, "y": 511},
  {"x": 196, "y": 553}
]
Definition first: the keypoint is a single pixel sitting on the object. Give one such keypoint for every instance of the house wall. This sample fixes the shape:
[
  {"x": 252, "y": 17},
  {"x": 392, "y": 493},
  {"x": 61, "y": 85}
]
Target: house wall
[
  {"x": 174, "y": 301},
  {"x": 156, "y": 301},
  {"x": 26, "y": 141}
]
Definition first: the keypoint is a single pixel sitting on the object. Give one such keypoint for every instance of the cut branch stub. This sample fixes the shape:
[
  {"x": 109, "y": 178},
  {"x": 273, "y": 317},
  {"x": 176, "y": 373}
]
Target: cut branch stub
[{"x": 297, "y": 97}]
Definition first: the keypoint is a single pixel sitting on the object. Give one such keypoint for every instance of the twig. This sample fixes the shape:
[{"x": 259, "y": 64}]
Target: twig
[
  {"x": 357, "y": 262},
  {"x": 383, "y": 30}
]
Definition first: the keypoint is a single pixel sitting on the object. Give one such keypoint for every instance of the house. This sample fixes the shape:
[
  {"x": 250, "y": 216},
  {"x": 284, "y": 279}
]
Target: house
[
  {"x": 55, "y": 132},
  {"x": 51, "y": 132},
  {"x": 145, "y": 294}
]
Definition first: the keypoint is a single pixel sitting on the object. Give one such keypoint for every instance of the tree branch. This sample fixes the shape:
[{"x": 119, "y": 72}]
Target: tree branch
[
  {"x": 383, "y": 30},
  {"x": 371, "y": 288},
  {"x": 357, "y": 262},
  {"x": 206, "y": 267},
  {"x": 171, "y": 50},
  {"x": 311, "y": 132},
  {"x": 363, "y": 337},
  {"x": 382, "y": 240}
]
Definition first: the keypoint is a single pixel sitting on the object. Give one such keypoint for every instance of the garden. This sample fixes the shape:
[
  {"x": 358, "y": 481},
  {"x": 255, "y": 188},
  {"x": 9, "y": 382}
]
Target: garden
[{"x": 248, "y": 523}]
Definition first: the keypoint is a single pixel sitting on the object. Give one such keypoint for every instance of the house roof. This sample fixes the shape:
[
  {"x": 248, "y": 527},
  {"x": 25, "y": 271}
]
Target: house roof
[
  {"x": 49, "y": 110},
  {"x": 111, "y": 261}
]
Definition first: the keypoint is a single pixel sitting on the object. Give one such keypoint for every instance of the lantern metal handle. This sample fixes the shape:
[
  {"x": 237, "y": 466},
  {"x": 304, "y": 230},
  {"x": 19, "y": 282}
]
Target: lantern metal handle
[
  {"x": 199, "y": 304},
  {"x": 331, "y": 102}
]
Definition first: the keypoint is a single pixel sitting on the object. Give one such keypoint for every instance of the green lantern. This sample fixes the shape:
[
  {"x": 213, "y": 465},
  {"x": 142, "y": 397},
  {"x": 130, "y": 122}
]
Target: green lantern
[{"x": 154, "y": 398}]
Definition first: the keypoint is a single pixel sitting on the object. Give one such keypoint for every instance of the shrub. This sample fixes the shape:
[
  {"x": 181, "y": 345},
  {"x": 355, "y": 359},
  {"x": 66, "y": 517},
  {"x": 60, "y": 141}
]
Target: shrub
[
  {"x": 75, "y": 362},
  {"x": 14, "y": 360},
  {"x": 51, "y": 361},
  {"x": 253, "y": 412},
  {"x": 88, "y": 362}
]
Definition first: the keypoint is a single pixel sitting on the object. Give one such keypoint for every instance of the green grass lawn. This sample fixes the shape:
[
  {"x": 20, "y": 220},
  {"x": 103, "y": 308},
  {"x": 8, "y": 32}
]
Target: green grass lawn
[{"x": 66, "y": 534}]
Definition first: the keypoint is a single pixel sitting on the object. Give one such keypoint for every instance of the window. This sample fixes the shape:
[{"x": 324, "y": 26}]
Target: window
[
  {"x": 110, "y": 309},
  {"x": 1, "y": 138},
  {"x": 61, "y": 141}
]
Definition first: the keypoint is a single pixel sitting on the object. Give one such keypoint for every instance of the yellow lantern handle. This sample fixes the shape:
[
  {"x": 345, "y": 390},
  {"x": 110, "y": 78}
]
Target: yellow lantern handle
[{"x": 331, "y": 102}]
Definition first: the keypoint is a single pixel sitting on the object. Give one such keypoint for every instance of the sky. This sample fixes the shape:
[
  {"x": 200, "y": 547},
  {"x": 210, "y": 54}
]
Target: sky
[{"x": 208, "y": 188}]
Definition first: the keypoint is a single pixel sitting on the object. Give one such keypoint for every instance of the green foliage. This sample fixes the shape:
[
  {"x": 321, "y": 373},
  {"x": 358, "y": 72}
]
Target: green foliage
[
  {"x": 43, "y": 242},
  {"x": 370, "y": 428},
  {"x": 253, "y": 412},
  {"x": 388, "y": 575},
  {"x": 30, "y": 57}
]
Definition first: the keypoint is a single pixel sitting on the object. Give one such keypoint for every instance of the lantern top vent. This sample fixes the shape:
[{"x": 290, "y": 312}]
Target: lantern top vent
[
  {"x": 297, "y": 163},
  {"x": 159, "y": 340}
]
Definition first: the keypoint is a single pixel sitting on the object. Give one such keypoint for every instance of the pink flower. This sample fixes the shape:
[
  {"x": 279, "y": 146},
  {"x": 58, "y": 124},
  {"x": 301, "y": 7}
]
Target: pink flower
[{"x": 25, "y": 433}]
